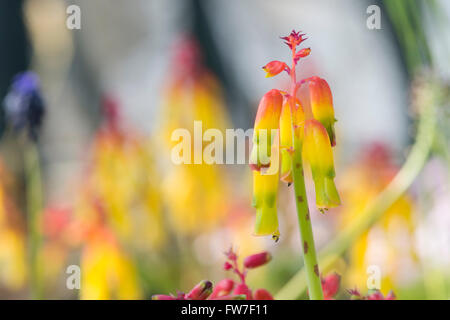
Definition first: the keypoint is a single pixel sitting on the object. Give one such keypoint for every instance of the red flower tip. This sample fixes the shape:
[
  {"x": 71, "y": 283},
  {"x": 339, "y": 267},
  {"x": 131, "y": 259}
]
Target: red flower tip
[
  {"x": 294, "y": 39},
  {"x": 330, "y": 285},
  {"x": 222, "y": 289},
  {"x": 244, "y": 290},
  {"x": 257, "y": 260},
  {"x": 262, "y": 294},
  {"x": 201, "y": 291}
]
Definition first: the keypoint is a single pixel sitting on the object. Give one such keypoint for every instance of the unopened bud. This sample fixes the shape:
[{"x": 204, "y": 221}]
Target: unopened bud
[
  {"x": 201, "y": 291},
  {"x": 257, "y": 260},
  {"x": 262, "y": 294},
  {"x": 227, "y": 266},
  {"x": 222, "y": 288},
  {"x": 274, "y": 67},
  {"x": 330, "y": 285}
]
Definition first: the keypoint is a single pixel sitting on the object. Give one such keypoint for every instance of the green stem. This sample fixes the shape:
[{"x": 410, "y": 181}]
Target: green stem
[
  {"x": 34, "y": 209},
  {"x": 304, "y": 222},
  {"x": 372, "y": 212},
  {"x": 301, "y": 201}
]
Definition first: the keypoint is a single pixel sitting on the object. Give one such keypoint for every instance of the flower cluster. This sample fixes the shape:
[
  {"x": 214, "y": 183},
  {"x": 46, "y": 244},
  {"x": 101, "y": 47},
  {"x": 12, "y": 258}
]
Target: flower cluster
[
  {"x": 373, "y": 295},
  {"x": 227, "y": 289},
  {"x": 286, "y": 125},
  {"x": 330, "y": 287}
]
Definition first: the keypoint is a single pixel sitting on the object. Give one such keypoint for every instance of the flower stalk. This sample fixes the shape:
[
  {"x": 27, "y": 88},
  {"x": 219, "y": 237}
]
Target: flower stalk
[
  {"x": 34, "y": 209},
  {"x": 301, "y": 201}
]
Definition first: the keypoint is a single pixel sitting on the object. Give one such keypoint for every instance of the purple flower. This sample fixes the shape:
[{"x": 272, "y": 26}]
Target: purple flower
[{"x": 24, "y": 106}]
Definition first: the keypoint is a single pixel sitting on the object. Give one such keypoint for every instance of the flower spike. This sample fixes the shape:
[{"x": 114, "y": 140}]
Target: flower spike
[{"x": 317, "y": 152}]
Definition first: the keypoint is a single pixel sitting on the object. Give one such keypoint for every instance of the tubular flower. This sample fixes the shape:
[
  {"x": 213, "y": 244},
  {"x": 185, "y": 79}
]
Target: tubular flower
[
  {"x": 274, "y": 67},
  {"x": 265, "y": 184},
  {"x": 317, "y": 152},
  {"x": 286, "y": 147},
  {"x": 266, "y": 122},
  {"x": 322, "y": 105},
  {"x": 265, "y": 201}
]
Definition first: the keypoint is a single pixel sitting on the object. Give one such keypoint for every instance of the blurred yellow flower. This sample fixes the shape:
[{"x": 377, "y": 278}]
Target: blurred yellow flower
[
  {"x": 388, "y": 245},
  {"x": 13, "y": 270},
  {"x": 196, "y": 195},
  {"x": 124, "y": 181},
  {"x": 106, "y": 271}
]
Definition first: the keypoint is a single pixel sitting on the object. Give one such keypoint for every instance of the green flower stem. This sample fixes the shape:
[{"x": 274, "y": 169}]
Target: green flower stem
[
  {"x": 374, "y": 211},
  {"x": 304, "y": 222},
  {"x": 34, "y": 209}
]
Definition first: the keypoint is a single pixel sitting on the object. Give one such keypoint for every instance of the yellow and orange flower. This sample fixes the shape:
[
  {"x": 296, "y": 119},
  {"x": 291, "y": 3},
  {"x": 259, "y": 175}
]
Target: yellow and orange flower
[
  {"x": 321, "y": 101},
  {"x": 317, "y": 152}
]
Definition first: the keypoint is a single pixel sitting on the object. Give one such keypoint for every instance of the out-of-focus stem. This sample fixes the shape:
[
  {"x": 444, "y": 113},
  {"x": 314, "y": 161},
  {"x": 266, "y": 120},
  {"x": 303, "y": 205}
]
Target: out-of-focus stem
[
  {"x": 301, "y": 201},
  {"x": 373, "y": 211},
  {"x": 34, "y": 209}
]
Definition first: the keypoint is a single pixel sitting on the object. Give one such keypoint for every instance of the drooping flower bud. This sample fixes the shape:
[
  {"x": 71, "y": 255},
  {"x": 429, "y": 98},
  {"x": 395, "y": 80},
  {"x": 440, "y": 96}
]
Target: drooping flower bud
[
  {"x": 322, "y": 105},
  {"x": 274, "y": 67},
  {"x": 330, "y": 285},
  {"x": 262, "y": 294},
  {"x": 286, "y": 147},
  {"x": 266, "y": 125},
  {"x": 242, "y": 288},
  {"x": 223, "y": 288},
  {"x": 257, "y": 260},
  {"x": 201, "y": 291},
  {"x": 317, "y": 152},
  {"x": 301, "y": 54}
]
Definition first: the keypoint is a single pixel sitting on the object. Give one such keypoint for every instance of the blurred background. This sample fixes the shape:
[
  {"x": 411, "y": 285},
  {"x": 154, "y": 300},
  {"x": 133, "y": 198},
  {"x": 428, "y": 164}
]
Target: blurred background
[{"x": 96, "y": 187}]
